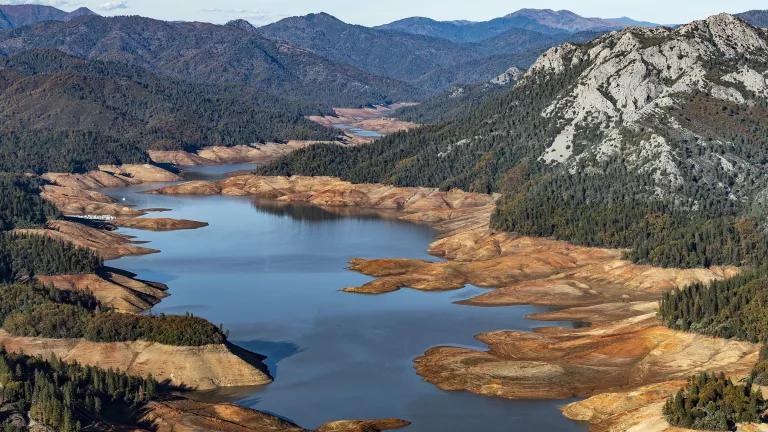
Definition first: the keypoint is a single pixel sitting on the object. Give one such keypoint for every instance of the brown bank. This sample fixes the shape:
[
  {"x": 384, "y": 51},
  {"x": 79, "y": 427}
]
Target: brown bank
[{"x": 626, "y": 362}]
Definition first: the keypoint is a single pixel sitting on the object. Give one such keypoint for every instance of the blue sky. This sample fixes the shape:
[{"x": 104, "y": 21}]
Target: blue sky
[{"x": 368, "y": 12}]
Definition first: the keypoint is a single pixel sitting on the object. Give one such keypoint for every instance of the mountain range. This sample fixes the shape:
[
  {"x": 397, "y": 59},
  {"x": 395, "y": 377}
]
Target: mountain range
[
  {"x": 428, "y": 62},
  {"x": 210, "y": 54},
  {"x": 63, "y": 113},
  {"x": 652, "y": 139},
  {"x": 14, "y": 16},
  {"x": 545, "y": 21}
]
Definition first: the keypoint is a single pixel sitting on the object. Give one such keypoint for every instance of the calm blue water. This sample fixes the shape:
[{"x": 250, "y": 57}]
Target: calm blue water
[
  {"x": 271, "y": 274},
  {"x": 357, "y": 131}
]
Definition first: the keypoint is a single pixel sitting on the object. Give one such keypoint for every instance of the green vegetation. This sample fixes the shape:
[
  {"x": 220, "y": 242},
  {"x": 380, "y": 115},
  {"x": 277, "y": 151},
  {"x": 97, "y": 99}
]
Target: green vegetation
[
  {"x": 20, "y": 203},
  {"x": 733, "y": 308},
  {"x": 64, "y": 151},
  {"x": 35, "y": 311},
  {"x": 759, "y": 373},
  {"x": 713, "y": 402},
  {"x": 65, "y": 397},
  {"x": 165, "y": 329},
  {"x": 706, "y": 209},
  {"x": 127, "y": 110},
  {"x": 597, "y": 210},
  {"x": 25, "y": 256}
]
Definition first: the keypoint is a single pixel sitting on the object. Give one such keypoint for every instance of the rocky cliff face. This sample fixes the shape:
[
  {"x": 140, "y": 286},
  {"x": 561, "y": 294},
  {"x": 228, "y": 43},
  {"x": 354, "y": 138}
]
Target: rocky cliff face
[{"x": 645, "y": 92}]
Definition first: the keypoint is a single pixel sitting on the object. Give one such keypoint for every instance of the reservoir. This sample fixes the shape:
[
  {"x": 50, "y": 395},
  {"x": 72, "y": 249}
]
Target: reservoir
[{"x": 271, "y": 274}]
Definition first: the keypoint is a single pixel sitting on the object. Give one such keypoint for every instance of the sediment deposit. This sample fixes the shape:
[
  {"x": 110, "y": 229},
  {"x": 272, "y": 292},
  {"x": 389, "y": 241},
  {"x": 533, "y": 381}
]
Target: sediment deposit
[
  {"x": 158, "y": 224},
  {"x": 625, "y": 350},
  {"x": 370, "y": 118},
  {"x": 108, "y": 245},
  {"x": 117, "y": 291},
  {"x": 186, "y": 415},
  {"x": 203, "y": 367},
  {"x": 255, "y": 153}
]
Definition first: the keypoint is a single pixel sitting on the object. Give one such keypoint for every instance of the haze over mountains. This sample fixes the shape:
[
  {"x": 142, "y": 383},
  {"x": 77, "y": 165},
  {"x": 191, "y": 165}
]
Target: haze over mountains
[
  {"x": 545, "y": 21},
  {"x": 13, "y": 16}
]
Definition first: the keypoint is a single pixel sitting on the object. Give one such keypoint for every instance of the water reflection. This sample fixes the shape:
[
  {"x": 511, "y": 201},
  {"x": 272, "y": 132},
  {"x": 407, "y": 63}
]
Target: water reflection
[{"x": 271, "y": 273}]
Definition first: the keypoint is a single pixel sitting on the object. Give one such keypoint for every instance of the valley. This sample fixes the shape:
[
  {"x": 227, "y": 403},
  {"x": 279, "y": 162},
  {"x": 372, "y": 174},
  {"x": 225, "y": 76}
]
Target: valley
[{"x": 544, "y": 221}]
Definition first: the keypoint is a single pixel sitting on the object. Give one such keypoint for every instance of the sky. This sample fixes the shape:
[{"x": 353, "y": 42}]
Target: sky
[{"x": 368, "y": 12}]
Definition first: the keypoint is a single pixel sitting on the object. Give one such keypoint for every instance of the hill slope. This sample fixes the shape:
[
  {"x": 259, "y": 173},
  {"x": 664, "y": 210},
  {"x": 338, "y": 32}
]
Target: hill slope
[
  {"x": 14, "y": 16},
  {"x": 758, "y": 18},
  {"x": 430, "y": 63},
  {"x": 61, "y": 113},
  {"x": 652, "y": 139},
  {"x": 211, "y": 54},
  {"x": 543, "y": 21}
]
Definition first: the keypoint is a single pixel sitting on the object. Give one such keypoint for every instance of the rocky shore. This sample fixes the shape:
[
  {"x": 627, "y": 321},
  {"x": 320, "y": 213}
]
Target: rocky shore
[
  {"x": 185, "y": 415},
  {"x": 625, "y": 360},
  {"x": 374, "y": 119},
  {"x": 256, "y": 153}
]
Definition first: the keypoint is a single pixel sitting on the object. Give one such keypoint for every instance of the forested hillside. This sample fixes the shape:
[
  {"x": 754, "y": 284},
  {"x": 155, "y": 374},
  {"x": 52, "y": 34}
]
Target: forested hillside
[
  {"x": 429, "y": 62},
  {"x": 212, "y": 54},
  {"x": 61, "y": 113},
  {"x": 66, "y": 397},
  {"x": 651, "y": 139}
]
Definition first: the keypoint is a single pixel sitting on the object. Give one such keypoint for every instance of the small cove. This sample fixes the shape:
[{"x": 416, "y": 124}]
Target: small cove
[{"x": 271, "y": 275}]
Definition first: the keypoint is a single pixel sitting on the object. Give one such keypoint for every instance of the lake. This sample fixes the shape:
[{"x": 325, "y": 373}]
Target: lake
[{"x": 271, "y": 275}]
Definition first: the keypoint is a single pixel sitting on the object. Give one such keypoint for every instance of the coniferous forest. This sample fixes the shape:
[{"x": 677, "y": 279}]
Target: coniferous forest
[
  {"x": 714, "y": 402},
  {"x": 66, "y": 397}
]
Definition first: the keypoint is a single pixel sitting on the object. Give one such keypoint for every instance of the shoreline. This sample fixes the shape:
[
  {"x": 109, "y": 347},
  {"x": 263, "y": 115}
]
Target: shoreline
[{"x": 583, "y": 282}]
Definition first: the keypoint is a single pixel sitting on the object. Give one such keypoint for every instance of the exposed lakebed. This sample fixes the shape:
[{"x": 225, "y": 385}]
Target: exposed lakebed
[{"x": 271, "y": 275}]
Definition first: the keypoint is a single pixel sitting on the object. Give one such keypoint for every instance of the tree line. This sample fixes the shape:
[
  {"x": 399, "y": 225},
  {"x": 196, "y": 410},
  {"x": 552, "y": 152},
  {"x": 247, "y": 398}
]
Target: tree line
[
  {"x": 66, "y": 397},
  {"x": 714, "y": 402},
  {"x": 32, "y": 310},
  {"x": 732, "y": 308}
]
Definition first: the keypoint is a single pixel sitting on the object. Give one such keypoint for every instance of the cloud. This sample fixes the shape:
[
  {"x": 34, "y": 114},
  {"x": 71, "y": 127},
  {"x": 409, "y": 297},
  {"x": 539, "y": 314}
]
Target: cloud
[
  {"x": 114, "y": 5},
  {"x": 256, "y": 17}
]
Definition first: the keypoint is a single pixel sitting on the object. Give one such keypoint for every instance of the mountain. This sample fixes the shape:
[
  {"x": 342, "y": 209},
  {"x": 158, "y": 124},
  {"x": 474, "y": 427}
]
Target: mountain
[
  {"x": 758, "y": 18},
  {"x": 62, "y": 113},
  {"x": 460, "y": 101},
  {"x": 544, "y": 21},
  {"x": 398, "y": 55},
  {"x": 210, "y": 54},
  {"x": 430, "y": 63},
  {"x": 650, "y": 139},
  {"x": 14, "y": 16}
]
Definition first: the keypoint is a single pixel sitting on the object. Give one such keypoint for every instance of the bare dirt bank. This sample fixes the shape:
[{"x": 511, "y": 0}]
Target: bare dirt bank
[
  {"x": 158, "y": 224},
  {"x": 625, "y": 350},
  {"x": 370, "y": 118},
  {"x": 186, "y": 415},
  {"x": 256, "y": 153},
  {"x": 108, "y": 245},
  {"x": 117, "y": 291},
  {"x": 204, "y": 367}
]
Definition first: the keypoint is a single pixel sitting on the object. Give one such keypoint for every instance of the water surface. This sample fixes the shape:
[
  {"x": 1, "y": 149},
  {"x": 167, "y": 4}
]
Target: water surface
[
  {"x": 271, "y": 275},
  {"x": 357, "y": 131}
]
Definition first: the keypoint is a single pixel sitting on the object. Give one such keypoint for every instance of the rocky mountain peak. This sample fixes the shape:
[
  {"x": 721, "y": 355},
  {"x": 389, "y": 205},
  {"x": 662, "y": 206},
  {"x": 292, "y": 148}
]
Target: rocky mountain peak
[
  {"x": 629, "y": 82},
  {"x": 731, "y": 35},
  {"x": 242, "y": 25},
  {"x": 509, "y": 76}
]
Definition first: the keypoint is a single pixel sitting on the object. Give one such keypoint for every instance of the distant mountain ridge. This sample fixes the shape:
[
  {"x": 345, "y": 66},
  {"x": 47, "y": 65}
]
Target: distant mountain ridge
[
  {"x": 758, "y": 18},
  {"x": 431, "y": 63},
  {"x": 212, "y": 54},
  {"x": 14, "y": 16},
  {"x": 544, "y": 21}
]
